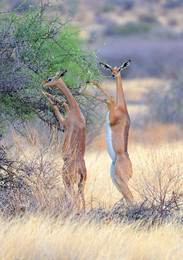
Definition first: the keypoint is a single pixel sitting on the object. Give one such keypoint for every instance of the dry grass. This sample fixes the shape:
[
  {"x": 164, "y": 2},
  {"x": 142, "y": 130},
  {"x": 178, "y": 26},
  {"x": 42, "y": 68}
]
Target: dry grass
[
  {"x": 41, "y": 236},
  {"x": 150, "y": 163}
]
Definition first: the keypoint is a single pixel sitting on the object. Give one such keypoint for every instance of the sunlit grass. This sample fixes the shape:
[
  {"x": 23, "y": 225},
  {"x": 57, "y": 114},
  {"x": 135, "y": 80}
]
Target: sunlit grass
[
  {"x": 43, "y": 235},
  {"x": 147, "y": 161}
]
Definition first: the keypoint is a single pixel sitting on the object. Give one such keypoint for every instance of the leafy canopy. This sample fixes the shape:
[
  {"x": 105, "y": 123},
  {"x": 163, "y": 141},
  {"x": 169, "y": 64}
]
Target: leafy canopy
[{"x": 34, "y": 45}]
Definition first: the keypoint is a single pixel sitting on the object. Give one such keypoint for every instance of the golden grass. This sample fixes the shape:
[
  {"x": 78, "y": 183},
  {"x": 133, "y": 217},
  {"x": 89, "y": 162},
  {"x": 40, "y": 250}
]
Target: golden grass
[
  {"x": 149, "y": 162},
  {"x": 41, "y": 237},
  {"x": 44, "y": 237}
]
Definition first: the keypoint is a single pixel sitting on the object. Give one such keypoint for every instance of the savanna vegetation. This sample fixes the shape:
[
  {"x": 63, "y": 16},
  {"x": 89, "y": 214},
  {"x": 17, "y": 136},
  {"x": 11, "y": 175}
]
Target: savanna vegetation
[
  {"x": 37, "y": 220},
  {"x": 35, "y": 45}
]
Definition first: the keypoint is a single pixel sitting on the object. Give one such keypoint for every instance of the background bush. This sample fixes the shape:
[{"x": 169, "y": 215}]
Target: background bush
[
  {"x": 34, "y": 45},
  {"x": 166, "y": 106}
]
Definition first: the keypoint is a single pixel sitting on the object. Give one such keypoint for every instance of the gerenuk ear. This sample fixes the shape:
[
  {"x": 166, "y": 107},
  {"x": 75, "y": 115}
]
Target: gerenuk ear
[
  {"x": 61, "y": 74},
  {"x": 105, "y": 66},
  {"x": 125, "y": 64}
]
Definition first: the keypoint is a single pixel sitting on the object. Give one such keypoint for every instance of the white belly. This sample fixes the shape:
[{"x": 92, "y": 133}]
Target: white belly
[
  {"x": 109, "y": 140},
  {"x": 111, "y": 152},
  {"x": 112, "y": 172}
]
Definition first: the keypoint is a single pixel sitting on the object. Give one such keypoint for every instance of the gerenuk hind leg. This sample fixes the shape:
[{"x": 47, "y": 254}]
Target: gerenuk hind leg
[{"x": 123, "y": 172}]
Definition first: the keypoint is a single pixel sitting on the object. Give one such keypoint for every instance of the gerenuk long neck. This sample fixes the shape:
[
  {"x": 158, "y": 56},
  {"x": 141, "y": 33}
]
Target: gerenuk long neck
[
  {"x": 120, "y": 99},
  {"x": 71, "y": 100}
]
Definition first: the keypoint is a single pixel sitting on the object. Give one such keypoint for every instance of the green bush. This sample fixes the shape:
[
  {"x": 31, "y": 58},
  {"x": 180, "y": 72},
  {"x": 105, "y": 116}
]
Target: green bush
[{"x": 34, "y": 45}]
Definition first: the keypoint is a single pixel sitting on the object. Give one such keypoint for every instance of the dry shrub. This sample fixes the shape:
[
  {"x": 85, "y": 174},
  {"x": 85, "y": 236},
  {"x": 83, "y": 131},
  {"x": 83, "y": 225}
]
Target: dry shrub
[
  {"x": 166, "y": 104},
  {"x": 156, "y": 183},
  {"x": 34, "y": 180},
  {"x": 158, "y": 180}
]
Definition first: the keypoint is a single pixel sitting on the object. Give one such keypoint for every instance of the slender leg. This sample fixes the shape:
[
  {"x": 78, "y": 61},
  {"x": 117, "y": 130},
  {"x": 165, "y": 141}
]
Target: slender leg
[
  {"x": 68, "y": 183},
  {"x": 123, "y": 172},
  {"x": 58, "y": 100},
  {"x": 110, "y": 104},
  {"x": 57, "y": 112},
  {"x": 100, "y": 99},
  {"x": 99, "y": 87},
  {"x": 82, "y": 173}
]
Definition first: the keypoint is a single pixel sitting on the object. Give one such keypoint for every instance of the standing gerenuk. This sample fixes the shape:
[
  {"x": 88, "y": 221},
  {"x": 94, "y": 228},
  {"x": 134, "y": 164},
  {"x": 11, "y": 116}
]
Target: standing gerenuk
[
  {"x": 73, "y": 149},
  {"x": 117, "y": 129}
]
